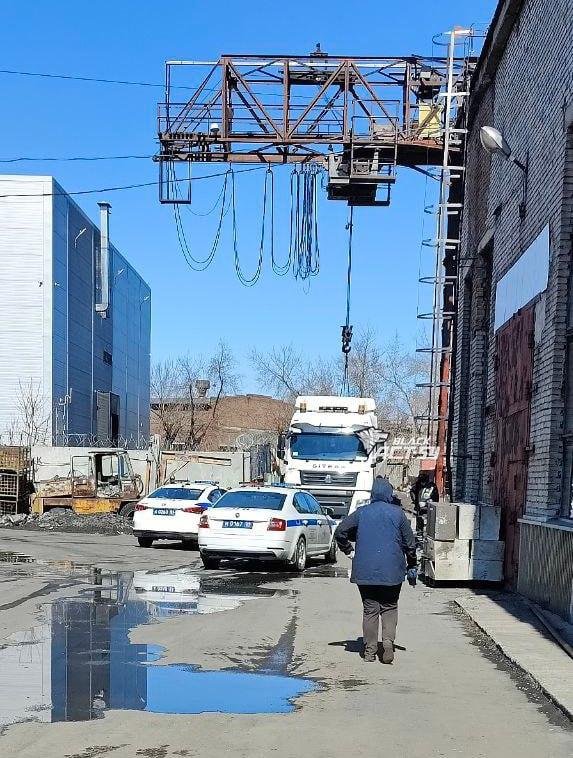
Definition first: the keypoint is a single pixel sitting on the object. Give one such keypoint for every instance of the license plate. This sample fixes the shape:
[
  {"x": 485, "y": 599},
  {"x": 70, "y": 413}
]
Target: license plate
[
  {"x": 237, "y": 524},
  {"x": 163, "y": 589},
  {"x": 164, "y": 511}
]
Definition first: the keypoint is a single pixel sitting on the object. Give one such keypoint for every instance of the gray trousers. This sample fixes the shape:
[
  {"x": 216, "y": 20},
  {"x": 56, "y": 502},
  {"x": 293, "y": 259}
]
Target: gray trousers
[{"x": 379, "y": 602}]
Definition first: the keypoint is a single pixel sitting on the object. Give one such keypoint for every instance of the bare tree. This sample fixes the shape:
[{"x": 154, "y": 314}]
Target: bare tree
[
  {"x": 390, "y": 374},
  {"x": 402, "y": 400},
  {"x": 186, "y": 395},
  {"x": 280, "y": 371},
  {"x": 219, "y": 371},
  {"x": 167, "y": 402},
  {"x": 31, "y": 422},
  {"x": 285, "y": 373}
]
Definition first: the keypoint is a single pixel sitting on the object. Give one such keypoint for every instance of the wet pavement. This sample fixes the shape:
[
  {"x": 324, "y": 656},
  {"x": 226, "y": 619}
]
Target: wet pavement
[
  {"x": 106, "y": 648},
  {"x": 79, "y": 661}
]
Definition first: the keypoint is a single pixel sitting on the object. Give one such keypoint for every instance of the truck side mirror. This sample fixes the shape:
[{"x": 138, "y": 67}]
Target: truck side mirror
[{"x": 281, "y": 444}]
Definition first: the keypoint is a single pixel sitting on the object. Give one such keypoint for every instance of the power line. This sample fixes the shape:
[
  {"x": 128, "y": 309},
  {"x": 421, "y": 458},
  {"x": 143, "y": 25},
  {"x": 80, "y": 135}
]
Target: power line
[
  {"x": 125, "y": 186},
  {"x": 129, "y": 83},
  {"x": 22, "y": 159},
  {"x": 74, "y": 77}
]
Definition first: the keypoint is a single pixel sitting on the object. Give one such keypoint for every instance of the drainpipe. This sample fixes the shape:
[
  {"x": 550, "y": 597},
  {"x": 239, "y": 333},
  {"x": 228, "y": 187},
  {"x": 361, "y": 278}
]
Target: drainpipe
[{"x": 103, "y": 304}]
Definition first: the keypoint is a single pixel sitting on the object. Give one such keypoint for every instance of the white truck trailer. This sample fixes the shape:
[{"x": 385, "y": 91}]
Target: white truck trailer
[{"x": 333, "y": 449}]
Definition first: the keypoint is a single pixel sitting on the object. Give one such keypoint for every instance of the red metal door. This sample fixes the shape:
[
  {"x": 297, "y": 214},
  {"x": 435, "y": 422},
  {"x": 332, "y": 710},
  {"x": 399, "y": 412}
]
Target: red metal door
[{"x": 514, "y": 356}]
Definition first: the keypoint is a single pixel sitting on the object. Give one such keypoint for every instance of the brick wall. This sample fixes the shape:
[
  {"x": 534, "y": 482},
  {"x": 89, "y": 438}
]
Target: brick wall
[
  {"x": 528, "y": 100},
  {"x": 238, "y": 420}
]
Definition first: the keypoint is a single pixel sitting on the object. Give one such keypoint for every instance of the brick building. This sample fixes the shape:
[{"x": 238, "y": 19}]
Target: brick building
[
  {"x": 236, "y": 422},
  {"x": 512, "y": 399}
]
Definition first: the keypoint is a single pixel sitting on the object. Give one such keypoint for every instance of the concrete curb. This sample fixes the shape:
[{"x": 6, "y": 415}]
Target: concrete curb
[{"x": 517, "y": 646}]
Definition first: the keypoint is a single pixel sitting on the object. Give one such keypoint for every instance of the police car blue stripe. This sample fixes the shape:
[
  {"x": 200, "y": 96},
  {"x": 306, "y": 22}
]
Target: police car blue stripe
[{"x": 303, "y": 522}]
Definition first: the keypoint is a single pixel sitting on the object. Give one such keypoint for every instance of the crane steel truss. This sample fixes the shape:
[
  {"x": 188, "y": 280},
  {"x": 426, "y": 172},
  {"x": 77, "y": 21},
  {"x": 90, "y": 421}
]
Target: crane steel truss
[{"x": 359, "y": 117}]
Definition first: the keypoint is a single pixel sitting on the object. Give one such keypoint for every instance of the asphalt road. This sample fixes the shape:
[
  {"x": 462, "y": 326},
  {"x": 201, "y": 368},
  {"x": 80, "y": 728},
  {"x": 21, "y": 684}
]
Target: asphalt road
[{"x": 81, "y": 670}]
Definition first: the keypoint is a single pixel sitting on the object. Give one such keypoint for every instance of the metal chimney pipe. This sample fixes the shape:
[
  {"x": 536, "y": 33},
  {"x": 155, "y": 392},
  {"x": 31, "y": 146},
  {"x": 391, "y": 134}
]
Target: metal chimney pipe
[{"x": 103, "y": 304}]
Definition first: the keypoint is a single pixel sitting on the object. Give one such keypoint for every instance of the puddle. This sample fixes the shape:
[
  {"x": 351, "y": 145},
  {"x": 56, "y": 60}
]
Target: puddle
[{"x": 79, "y": 662}]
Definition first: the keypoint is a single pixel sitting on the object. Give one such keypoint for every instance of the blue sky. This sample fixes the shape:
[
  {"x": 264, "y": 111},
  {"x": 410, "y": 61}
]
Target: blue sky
[{"x": 131, "y": 40}]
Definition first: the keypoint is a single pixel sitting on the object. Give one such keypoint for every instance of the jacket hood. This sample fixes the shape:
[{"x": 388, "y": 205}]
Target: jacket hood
[{"x": 382, "y": 491}]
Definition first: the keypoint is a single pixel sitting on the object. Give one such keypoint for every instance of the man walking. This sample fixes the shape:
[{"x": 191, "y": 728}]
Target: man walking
[{"x": 385, "y": 550}]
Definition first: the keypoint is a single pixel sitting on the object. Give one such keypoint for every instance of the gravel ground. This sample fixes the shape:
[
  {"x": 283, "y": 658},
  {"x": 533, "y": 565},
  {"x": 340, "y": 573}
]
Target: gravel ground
[{"x": 65, "y": 520}]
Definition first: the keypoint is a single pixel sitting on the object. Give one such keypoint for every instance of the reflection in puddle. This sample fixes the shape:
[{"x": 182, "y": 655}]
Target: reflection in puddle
[{"x": 80, "y": 662}]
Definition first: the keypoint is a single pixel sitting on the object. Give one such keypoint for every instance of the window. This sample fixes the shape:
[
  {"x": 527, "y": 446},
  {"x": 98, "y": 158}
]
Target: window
[
  {"x": 329, "y": 447},
  {"x": 272, "y": 501},
  {"x": 300, "y": 503},
  {"x": 313, "y": 506},
  {"x": 215, "y": 495},
  {"x": 177, "y": 493},
  {"x": 109, "y": 467},
  {"x": 107, "y": 358}
]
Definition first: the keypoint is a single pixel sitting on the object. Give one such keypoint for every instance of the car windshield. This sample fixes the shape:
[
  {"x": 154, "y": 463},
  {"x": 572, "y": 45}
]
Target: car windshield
[
  {"x": 176, "y": 493},
  {"x": 327, "y": 447},
  {"x": 272, "y": 501}
]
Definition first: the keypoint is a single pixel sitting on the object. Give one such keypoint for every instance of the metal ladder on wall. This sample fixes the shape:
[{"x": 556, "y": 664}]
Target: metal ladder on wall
[{"x": 444, "y": 279}]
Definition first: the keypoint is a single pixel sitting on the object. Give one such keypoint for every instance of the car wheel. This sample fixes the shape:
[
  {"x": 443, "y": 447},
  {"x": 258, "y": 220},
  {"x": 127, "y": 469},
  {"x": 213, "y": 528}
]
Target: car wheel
[
  {"x": 299, "y": 559},
  {"x": 145, "y": 541},
  {"x": 210, "y": 563},
  {"x": 331, "y": 556},
  {"x": 127, "y": 510}
]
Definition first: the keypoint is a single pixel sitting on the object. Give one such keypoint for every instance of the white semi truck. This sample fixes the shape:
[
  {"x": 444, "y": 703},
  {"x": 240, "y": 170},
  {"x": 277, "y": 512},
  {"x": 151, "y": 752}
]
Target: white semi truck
[{"x": 333, "y": 449}]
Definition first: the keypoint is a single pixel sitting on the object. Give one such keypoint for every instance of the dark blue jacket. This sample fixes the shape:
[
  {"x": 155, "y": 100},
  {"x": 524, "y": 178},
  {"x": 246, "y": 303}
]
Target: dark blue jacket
[{"x": 385, "y": 543}]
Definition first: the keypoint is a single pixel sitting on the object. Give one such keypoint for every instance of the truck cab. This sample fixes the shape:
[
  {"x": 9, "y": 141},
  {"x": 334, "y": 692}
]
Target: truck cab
[{"x": 333, "y": 449}]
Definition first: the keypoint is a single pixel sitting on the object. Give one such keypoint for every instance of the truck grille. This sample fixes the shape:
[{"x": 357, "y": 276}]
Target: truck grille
[
  {"x": 329, "y": 477},
  {"x": 340, "y": 504}
]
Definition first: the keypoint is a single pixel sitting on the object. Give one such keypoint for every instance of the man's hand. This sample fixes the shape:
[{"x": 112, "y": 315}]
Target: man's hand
[
  {"x": 412, "y": 576},
  {"x": 351, "y": 555}
]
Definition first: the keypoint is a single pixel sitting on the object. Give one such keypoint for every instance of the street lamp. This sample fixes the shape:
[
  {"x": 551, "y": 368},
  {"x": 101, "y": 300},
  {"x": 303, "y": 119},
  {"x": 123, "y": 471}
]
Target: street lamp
[{"x": 494, "y": 143}]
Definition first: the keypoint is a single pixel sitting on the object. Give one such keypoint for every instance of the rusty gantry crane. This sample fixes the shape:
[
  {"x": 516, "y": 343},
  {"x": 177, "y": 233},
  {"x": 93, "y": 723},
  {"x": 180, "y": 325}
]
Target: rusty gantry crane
[{"x": 358, "y": 118}]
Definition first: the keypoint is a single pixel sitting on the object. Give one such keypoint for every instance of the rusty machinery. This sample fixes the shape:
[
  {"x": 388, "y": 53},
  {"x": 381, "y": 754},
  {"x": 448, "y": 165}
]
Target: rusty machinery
[{"x": 358, "y": 117}]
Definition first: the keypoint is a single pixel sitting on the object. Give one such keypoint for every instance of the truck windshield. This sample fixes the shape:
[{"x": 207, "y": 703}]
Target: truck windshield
[{"x": 327, "y": 447}]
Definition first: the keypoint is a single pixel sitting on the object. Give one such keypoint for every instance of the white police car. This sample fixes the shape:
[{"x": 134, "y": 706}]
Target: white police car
[
  {"x": 266, "y": 523},
  {"x": 172, "y": 512}
]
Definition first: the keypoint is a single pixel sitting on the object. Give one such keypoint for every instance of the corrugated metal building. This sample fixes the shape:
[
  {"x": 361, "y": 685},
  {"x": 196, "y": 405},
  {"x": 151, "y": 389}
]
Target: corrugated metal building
[
  {"x": 512, "y": 411},
  {"x": 68, "y": 373}
]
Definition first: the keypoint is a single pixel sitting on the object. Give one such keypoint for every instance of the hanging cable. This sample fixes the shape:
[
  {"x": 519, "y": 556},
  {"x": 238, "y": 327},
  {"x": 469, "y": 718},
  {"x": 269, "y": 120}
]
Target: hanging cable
[
  {"x": 192, "y": 262},
  {"x": 249, "y": 281},
  {"x": 347, "y": 328},
  {"x": 304, "y": 246}
]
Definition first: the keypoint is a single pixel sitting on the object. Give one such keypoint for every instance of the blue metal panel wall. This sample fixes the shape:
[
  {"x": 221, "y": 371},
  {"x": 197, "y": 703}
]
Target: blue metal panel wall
[
  {"x": 92, "y": 353},
  {"x": 130, "y": 312}
]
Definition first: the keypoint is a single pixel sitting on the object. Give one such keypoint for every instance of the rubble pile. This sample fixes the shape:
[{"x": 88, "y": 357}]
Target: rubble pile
[{"x": 65, "y": 520}]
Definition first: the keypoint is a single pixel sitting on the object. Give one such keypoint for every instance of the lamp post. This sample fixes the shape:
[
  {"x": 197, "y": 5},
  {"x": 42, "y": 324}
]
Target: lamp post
[{"x": 493, "y": 141}]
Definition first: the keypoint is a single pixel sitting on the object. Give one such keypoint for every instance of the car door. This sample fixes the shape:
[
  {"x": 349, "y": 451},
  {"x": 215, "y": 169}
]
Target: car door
[
  {"x": 308, "y": 523},
  {"x": 323, "y": 528}
]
